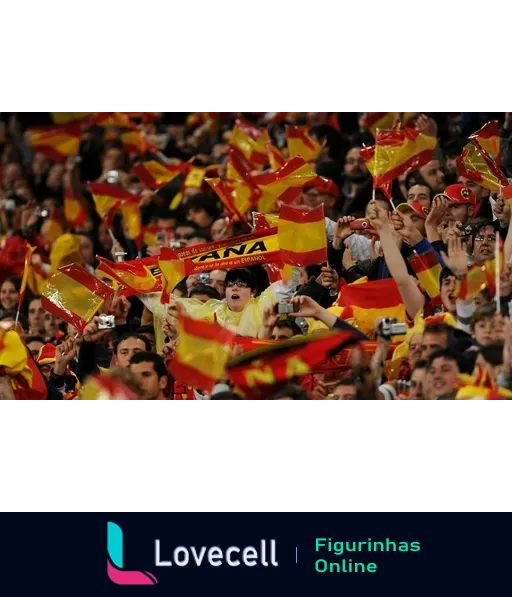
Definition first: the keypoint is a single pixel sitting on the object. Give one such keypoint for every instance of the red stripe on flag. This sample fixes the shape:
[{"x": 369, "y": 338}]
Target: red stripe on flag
[
  {"x": 193, "y": 376},
  {"x": 206, "y": 330},
  {"x": 301, "y": 216},
  {"x": 423, "y": 157},
  {"x": 380, "y": 294},
  {"x": 50, "y": 152},
  {"x": 424, "y": 261},
  {"x": 64, "y": 314},
  {"x": 83, "y": 277},
  {"x": 303, "y": 259},
  {"x": 108, "y": 190}
]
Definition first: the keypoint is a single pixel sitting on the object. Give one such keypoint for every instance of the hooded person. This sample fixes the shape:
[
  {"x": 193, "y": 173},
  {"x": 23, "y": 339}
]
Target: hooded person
[{"x": 241, "y": 310}]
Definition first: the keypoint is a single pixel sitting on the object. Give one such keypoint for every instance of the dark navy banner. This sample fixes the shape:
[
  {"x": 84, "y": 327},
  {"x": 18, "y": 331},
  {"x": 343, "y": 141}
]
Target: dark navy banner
[{"x": 255, "y": 554}]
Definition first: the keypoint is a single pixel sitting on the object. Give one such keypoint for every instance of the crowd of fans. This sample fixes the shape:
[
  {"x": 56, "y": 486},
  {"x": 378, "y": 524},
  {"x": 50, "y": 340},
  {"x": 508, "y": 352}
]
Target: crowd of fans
[{"x": 461, "y": 220}]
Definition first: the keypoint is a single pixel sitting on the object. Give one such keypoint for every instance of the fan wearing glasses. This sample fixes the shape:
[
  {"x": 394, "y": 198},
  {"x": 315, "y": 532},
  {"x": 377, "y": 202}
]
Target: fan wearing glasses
[{"x": 484, "y": 242}]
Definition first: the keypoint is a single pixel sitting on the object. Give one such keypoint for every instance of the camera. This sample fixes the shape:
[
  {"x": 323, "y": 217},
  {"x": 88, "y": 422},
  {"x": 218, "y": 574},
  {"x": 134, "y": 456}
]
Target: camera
[
  {"x": 112, "y": 176},
  {"x": 390, "y": 327},
  {"x": 283, "y": 308},
  {"x": 175, "y": 244},
  {"x": 204, "y": 278},
  {"x": 107, "y": 322},
  {"x": 9, "y": 205},
  {"x": 161, "y": 238}
]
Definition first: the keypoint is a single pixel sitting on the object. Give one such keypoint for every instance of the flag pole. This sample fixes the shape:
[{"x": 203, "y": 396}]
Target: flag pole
[{"x": 497, "y": 272}]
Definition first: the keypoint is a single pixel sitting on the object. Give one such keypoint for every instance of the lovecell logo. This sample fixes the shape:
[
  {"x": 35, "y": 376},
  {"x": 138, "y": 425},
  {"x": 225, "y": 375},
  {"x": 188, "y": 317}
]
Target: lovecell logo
[
  {"x": 115, "y": 569},
  {"x": 263, "y": 555}
]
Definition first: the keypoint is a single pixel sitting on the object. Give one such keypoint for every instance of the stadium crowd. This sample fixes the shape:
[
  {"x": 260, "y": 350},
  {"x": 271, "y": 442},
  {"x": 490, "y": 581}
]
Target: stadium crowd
[{"x": 416, "y": 284}]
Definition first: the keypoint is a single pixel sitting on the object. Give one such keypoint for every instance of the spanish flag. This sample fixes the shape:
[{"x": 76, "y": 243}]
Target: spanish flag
[
  {"x": 135, "y": 142},
  {"x": 301, "y": 144},
  {"x": 74, "y": 295},
  {"x": 275, "y": 157},
  {"x": 53, "y": 227},
  {"x": 302, "y": 237},
  {"x": 225, "y": 190},
  {"x": 480, "y": 393},
  {"x": 57, "y": 143},
  {"x": 397, "y": 152},
  {"x": 108, "y": 198},
  {"x": 202, "y": 351},
  {"x": 65, "y": 250},
  {"x": 132, "y": 274},
  {"x": 113, "y": 120},
  {"x": 132, "y": 220},
  {"x": 480, "y": 160},
  {"x": 251, "y": 141},
  {"x": 75, "y": 209},
  {"x": 257, "y": 373},
  {"x": 26, "y": 270},
  {"x": 385, "y": 120},
  {"x": 69, "y": 117},
  {"x": 104, "y": 387},
  {"x": 367, "y": 302},
  {"x": 477, "y": 279},
  {"x": 154, "y": 175},
  {"x": 36, "y": 278},
  {"x": 26, "y": 379},
  {"x": 427, "y": 269}
]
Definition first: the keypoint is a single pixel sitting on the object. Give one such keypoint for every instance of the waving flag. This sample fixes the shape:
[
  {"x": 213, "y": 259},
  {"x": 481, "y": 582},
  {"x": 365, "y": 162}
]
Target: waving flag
[
  {"x": 385, "y": 120},
  {"x": 302, "y": 237},
  {"x": 70, "y": 117},
  {"x": 275, "y": 157},
  {"x": 202, "y": 351},
  {"x": 154, "y": 175},
  {"x": 132, "y": 220},
  {"x": 57, "y": 143},
  {"x": 480, "y": 160},
  {"x": 396, "y": 152},
  {"x": 132, "y": 274},
  {"x": 477, "y": 279},
  {"x": 113, "y": 120},
  {"x": 135, "y": 142},
  {"x": 301, "y": 144},
  {"x": 251, "y": 141},
  {"x": 103, "y": 387},
  {"x": 75, "y": 209},
  {"x": 427, "y": 269},
  {"x": 257, "y": 373},
  {"x": 74, "y": 295},
  {"x": 108, "y": 198},
  {"x": 26, "y": 270}
]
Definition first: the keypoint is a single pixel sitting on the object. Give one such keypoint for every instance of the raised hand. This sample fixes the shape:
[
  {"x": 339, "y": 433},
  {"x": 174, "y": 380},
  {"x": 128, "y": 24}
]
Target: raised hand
[
  {"x": 378, "y": 216},
  {"x": 342, "y": 231},
  {"x": 329, "y": 278},
  {"x": 92, "y": 333},
  {"x": 457, "y": 258},
  {"x": 64, "y": 354}
]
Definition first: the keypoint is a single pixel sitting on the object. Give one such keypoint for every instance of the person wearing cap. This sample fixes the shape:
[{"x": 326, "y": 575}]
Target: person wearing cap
[
  {"x": 461, "y": 202},
  {"x": 54, "y": 364},
  {"x": 320, "y": 191},
  {"x": 418, "y": 214}
]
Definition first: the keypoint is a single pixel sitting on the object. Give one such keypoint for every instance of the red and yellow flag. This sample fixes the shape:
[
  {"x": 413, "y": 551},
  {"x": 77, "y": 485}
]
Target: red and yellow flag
[
  {"x": 257, "y": 372},
  {"x": 53, "y": 228},
  {"x": 396, "y": 152},
  {"x": 202, "y": 351},
  {"x": 26, "y": 270},
  {"x": 132, "y": 220},
  {"x": 225, "y": 190},
  {"x": 302, "y": 237},
  {"x": 74, "y": 295},
  {"x": 301, "y": 144},
  {"x": 69, "y": 117},
  {"x": 75, "y": 209},
  {"x": 477, "y": 279},
  {"x": 251, "y": 141},
  {"x": 427, "y": 269},
  {"x": 275, "y": 157},
  {"x": 154, "y": 175},
  {"x": 113, "y": 120},
  {"x": 365, "y": 303},
  {"x": 132, "y": 274},
  {"x": 103, "y": 387},
  {"x": 108, "y": 198},
  {"x": 135, "y": 142},
  {"x": 385, "y": 120},
  {"x": 480, "y": 160},
  {"x": 57, "y": 143},
  {"x": 242, "y": 251}
]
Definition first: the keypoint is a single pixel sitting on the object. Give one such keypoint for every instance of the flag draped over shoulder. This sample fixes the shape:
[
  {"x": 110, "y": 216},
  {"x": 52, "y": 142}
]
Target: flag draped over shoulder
[
  {"x": 257, "y": 372},
  {"x": 302, "y": 237},
  {"x": 74, "y": 295},
  {"x": 202, "y": 351},
  {"x": 396, "y": 152}
]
